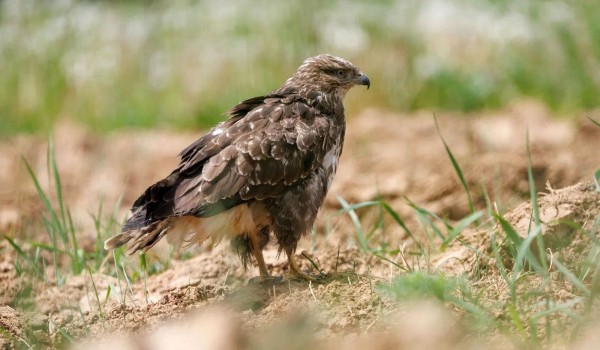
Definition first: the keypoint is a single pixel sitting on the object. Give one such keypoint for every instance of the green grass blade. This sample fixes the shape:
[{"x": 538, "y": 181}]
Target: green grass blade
[
  {"x": 424, "y": 217},
  {"x": 597, "y": 180},
  {"x": 108, "y": 290},
  {"x": 129, "y": 287},
  {"x": 511, "y": 233},
  {"x": 97, "y": 296},
  {"x": 524, "y": 254},
  {"x": 571, "y": 277},
  {"x": 534, "y": 206},
  {"x": 50, "y": 230},
  {"x": 362, "y": 241},
  {"x": 397, "y": 219},
  {"x": 428, "y": 213},
  {"x": 460, "y": 227},
  {"x": 519, "y": 247},
  {"x": 46, "y": 247},
  {"x": 85, "y": 325},
  {"x": 457, "y": 169},
  {"x": 359, "y": 205},
  {"x": 516, "y": 320},
  {"x": 77, "y": 256},
  {"x": 57, "y": 219},
  {"x": 391, "y": 262},
  {"x": 25, "y": 257},
  {"x": 590, "y": 263},
  {"x": 63, "y": 332},
  {"x": 594, "y": 121},
  {"x": 532, "y": 190},
  {"x": 117, "y": 260},
  {"x": 472, "y": 308},
  {"x": 50, "y": 224},
  {"x": 595, "y": 288},
  {"x": 144, "y": 267},
  {"x": 501, "y": 268},
  {"x": 40, "y": 192},
  {"x": 58, "y": 188},
  {"x": 565, "y": 308}
]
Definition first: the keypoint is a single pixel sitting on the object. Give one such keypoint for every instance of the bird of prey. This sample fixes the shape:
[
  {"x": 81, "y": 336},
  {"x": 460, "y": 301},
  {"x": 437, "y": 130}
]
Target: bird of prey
[{"x": 263, "y": 173}]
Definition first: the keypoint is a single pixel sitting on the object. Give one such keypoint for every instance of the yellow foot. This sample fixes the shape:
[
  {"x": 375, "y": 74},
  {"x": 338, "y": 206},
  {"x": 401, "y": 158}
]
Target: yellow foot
[{"x": 297, "y": 273}]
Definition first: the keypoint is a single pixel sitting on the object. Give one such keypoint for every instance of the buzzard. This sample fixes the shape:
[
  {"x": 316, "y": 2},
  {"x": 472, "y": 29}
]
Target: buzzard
[{"x": 263, "y": 172}]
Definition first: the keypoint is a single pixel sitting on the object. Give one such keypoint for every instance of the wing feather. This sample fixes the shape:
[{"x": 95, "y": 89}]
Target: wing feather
[
  {"x": 271, "y": 156},
  {"x": 268, "y": 145}
]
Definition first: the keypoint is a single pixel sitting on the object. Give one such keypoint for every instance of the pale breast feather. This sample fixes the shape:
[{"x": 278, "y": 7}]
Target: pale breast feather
[{"x": 330, "y": 162}]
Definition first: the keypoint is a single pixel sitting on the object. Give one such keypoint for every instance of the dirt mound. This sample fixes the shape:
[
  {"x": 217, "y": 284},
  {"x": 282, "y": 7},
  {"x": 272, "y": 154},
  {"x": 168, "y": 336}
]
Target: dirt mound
[
  {"x": 565, "y": 215},
  {"x": 9, "y": 282},
  {"x": 344, "y": 302},
  {"x": 11, "y": 327}
]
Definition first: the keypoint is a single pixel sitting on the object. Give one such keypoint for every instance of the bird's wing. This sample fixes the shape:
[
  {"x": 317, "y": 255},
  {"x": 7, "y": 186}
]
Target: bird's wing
[
  {"x": 275, "y": 145},
  {"x": 267, "y": 145}
]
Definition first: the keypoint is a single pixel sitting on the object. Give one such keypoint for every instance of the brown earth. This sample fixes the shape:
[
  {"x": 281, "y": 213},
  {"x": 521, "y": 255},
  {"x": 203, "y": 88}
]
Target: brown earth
[{"x": 206, "y": 301}]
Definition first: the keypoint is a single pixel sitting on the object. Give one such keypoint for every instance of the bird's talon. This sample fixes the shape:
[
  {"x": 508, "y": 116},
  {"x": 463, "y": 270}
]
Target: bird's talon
[{"x": 298, "y": 273}]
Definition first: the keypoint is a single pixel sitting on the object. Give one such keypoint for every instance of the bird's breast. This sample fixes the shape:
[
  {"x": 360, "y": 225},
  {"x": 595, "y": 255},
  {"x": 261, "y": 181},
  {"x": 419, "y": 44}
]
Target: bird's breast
[{"x": 330, "y": 162}]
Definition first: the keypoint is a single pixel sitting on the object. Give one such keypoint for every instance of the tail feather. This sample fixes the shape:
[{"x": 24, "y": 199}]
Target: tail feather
[
  {"x": 188, "y": 230},
  {"x": 116, "y": 241},
  {"x": 138, "y": 220},
  {"x": 138, "y": 239},
  {"x": 142, "y": 240}
]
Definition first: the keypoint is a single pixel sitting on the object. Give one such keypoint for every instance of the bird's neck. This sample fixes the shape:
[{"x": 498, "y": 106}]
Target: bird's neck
[
  {"x": 333, "y": 104},
  {"x": 330, "y": 102}
]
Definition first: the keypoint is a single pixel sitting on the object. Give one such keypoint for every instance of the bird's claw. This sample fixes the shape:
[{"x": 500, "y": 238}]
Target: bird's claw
[
  {"x": 297, "y": 273},
  {"x": 303, "y": 276}
]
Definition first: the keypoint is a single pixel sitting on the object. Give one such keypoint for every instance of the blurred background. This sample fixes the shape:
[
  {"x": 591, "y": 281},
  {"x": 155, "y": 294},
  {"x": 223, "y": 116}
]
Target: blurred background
[{"x": 182, "y": 64}]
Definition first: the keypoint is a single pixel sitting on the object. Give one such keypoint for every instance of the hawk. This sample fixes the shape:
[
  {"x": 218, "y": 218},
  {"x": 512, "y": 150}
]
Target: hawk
[{"x": 262, "y": 173}]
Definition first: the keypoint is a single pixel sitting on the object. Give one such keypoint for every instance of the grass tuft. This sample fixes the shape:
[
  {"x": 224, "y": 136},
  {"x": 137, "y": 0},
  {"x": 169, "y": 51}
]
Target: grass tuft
[
  {"x": 57, "y": 221},
  {"x": 421, "y": 285}
]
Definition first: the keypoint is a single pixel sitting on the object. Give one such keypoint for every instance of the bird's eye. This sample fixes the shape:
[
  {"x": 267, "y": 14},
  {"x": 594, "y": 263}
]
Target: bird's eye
[{"x": 340, "y": 73}]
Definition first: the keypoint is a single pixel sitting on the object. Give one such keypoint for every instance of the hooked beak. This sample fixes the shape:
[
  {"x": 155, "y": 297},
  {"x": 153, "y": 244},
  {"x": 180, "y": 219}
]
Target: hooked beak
[{"x": 364, "y": 80}]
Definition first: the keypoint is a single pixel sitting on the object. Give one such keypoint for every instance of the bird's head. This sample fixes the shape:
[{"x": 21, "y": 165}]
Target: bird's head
[{"x": 328, "y": 74}]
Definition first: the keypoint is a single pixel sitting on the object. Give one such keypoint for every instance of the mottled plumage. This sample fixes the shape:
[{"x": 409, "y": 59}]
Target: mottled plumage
[{"x": 264, "y": 171}]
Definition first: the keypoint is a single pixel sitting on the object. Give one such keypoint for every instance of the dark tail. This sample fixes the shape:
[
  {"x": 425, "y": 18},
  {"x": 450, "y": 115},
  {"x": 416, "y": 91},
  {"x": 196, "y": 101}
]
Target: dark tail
[{"x": 138, "y": 233}]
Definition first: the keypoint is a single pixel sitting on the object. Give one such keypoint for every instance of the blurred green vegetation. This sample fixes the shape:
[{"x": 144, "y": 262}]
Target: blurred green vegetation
[{"x": 184, "y": 63}]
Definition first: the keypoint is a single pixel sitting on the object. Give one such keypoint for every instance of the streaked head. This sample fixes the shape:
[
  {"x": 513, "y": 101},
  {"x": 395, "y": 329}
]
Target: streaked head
[{"x": 329, "y": 74}]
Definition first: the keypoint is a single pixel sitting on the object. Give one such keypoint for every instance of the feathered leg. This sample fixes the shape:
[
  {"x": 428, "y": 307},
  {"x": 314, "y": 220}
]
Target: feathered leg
[
  {"x": 251, "y": 245},
  {"x": 257, "y": 252}
]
